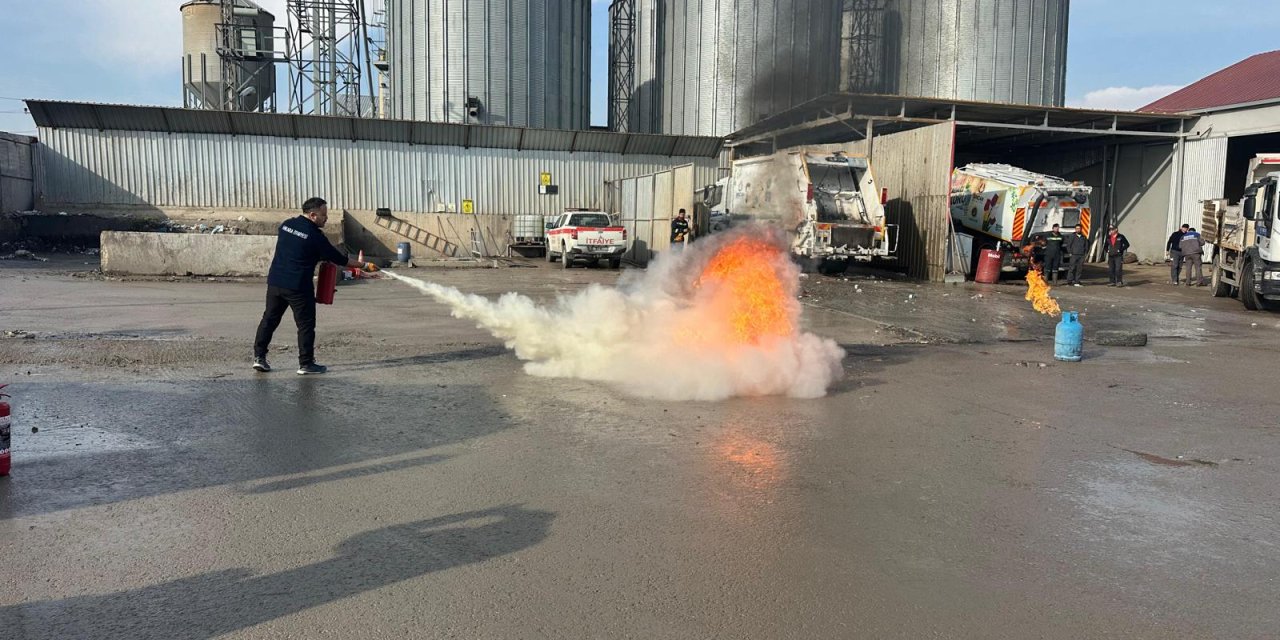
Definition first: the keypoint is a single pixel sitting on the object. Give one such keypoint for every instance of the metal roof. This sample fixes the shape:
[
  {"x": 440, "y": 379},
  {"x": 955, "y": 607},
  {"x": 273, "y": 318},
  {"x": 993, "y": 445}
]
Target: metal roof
[
  {"x": 839, "y": 117},
  {"x": 1252, "y": 80},
  {"x": 87, "y": 115}
]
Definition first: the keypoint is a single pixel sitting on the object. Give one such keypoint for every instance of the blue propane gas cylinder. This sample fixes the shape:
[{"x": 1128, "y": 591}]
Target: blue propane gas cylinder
[{"x": 1069, "y": 339}]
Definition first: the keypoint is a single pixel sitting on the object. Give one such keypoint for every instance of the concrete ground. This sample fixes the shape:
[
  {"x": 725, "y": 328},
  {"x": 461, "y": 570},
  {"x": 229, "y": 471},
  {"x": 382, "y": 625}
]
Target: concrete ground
[{"x": 957, "y": 483}]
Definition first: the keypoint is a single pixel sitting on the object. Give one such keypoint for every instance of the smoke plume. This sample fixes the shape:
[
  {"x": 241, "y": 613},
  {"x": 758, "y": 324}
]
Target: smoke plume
[{"x": 718, "y": 320}]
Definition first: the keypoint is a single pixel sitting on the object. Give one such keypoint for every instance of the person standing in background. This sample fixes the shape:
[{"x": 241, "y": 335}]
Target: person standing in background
[
  {"x": 1192, "y": 250},
  {"x": 680, "y": 228},
  {"x": 1116, "y": 245},
  {"x": 1174, "y": 247},
  {"x": 1076, "y": 245},
  {"x": 1053, "y": 254}
]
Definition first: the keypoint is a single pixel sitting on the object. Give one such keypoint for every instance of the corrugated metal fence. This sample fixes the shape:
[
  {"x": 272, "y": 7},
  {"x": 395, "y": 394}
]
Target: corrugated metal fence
[
  {"x": 1204, "y": 174},
  {"x": 915, "y": 166},
  {"x": 646, "y": 205},
  {"x": 17, "y": 191},
  {"x": 157, "y": 170}
]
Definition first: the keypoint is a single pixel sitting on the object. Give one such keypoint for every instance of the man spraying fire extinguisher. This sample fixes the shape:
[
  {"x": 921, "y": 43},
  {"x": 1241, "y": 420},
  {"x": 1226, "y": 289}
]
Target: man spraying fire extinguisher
[{"x": 300, "y": 246}]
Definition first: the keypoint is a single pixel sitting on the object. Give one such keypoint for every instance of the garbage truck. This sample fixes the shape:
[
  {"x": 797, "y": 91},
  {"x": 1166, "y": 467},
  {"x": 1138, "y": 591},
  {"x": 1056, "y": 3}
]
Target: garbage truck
[
  {"x": 1246, "y": 262},
  {"x": 1007, "y": 208},
  {"x": 828, "y": 202}
]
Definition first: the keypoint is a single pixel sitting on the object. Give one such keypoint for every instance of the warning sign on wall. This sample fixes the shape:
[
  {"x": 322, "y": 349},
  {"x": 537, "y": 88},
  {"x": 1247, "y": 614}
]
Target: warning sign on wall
[
  {"x": 544, "y": 179},
  {"x": 468, "y": 206}
]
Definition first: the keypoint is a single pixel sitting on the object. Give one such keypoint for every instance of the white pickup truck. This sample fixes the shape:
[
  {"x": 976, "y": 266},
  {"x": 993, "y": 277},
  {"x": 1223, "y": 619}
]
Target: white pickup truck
[{"x": 585, "y": 235}]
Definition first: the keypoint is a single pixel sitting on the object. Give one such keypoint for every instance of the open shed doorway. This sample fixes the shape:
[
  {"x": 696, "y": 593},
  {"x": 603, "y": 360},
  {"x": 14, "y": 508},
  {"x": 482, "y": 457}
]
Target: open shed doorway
[{"x": 1240, "y": 150}]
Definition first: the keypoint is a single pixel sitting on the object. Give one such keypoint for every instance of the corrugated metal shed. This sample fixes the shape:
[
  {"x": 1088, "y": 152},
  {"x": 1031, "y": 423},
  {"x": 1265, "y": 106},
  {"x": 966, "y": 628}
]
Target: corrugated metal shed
[
  {"x": 150, "y": 169},
  {"x": 1252, "y": 80},
  {"x": 80, "y": 115}
]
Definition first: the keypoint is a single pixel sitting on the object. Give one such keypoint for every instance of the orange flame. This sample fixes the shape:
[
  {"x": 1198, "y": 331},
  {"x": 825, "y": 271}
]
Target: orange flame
[
  {"x": 748, "y": 291},
  {"x": 1038, "y": 293}
]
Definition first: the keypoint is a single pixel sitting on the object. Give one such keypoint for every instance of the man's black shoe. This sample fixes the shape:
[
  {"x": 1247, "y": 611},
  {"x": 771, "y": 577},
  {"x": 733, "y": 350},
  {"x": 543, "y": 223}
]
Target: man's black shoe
[{"x": 311, "y": 369}]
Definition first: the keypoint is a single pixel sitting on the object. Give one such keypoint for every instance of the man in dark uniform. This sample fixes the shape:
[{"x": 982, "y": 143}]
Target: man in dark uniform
[
  {"x": 1053, "y": 254},
  {"x": 1174, "y": 248},
  {"x": 1076, "y": 245},
  {"x": 300, "y": 246},
  {"x": 1116, "y": 245},
  {"x": 679, "y": 228}
]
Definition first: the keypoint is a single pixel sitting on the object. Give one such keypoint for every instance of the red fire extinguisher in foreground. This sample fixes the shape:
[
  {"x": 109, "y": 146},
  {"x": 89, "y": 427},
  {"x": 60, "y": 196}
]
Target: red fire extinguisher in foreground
[
  {"x": 4, "y": 433},
  {"x": 327, "y": 283}
]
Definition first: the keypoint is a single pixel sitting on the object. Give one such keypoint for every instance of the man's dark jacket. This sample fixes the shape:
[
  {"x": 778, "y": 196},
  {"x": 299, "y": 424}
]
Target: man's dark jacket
[
  {"x": 1120, "y": 246},
  {"x": 1076, "y": 244},
  {"x": 300, "y": 246}
]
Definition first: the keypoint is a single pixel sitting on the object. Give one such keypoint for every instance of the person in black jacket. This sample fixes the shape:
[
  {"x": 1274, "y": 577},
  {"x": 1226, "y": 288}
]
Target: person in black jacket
[
  {"x": 1076, "y": 245},
  {"x": 1116, "y": 245},
  {"x": 680, "y": 228},
  {"x": 1173, "y": 246},
  {"x": 300, "y": 246}
]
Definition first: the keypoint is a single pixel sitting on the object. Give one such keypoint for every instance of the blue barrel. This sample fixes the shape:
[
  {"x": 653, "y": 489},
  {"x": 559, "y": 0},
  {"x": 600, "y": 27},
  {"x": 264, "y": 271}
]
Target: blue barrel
[
  {"x": 402, "y": 251},
  {"x": 1068, "y": 342}
]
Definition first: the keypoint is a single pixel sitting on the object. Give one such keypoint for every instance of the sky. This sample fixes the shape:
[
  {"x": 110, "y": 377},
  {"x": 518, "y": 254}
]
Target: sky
[{"x": 1122, "y": 54}]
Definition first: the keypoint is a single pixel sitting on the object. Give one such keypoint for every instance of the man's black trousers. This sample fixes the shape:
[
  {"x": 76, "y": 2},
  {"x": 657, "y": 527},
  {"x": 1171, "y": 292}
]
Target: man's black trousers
[
  {"x": 1115, "y": 268},
  {"x": 303, "y": 304},
  {"x": 1076, "y": 269},
  {"x": 1052, "y": 264}
]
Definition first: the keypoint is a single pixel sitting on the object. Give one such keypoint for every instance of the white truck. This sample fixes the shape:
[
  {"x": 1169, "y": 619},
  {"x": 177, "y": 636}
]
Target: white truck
[
  {"x": 828, "y": 202},
  {"x": 1007, "y": 208},
  {"x": 1246, "y": 261},
  {"x": 585, "y": 234}
]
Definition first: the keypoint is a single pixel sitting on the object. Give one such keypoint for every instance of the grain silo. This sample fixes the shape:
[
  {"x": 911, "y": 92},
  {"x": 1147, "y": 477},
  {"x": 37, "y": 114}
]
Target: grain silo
[
  {"x": 517, "y": 62},
  {"x": 1011, "y": 51},
  {"x": 232, "y": 71},
  {"x": 712, "y": 67}
]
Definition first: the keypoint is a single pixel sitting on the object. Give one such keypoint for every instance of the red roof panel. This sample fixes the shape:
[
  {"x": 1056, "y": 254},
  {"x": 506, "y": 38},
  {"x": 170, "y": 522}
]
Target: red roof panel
[{"x": 1253, "y": 79}]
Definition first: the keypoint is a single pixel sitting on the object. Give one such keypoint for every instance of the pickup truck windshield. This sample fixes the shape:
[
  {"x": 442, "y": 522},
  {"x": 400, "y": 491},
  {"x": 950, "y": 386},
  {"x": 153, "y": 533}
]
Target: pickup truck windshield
[{"x": 589, "y": 220}]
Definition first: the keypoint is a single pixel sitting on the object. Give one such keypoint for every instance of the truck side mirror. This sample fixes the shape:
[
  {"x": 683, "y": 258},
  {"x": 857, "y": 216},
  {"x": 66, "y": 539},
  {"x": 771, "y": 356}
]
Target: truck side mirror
[
  {"x": 1249, "y": 208},
  {"x": 550, "y": 225}
]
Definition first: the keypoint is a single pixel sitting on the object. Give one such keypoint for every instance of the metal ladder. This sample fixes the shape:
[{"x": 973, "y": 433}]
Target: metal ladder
[{"x": 419, "y": 235}]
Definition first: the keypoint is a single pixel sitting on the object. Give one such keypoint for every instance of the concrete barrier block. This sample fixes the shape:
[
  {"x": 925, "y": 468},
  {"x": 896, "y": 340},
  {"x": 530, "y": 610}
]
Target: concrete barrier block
[{"x": 160, "y": 254}]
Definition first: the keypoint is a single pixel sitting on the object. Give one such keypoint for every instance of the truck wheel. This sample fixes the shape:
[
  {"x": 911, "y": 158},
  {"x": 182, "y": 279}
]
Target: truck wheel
[
  {"x": 615, "y": 263},
  {"x": 1252, "y": 301},
  {"x": 1220, "y": 287},
  {"x": 565, "y": 260}
]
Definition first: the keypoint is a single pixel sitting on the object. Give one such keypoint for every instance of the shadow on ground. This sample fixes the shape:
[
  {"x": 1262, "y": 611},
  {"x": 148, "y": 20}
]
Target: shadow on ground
[
  {"x": 101, "y": 443},
  {"x": 213, "y": 604}
]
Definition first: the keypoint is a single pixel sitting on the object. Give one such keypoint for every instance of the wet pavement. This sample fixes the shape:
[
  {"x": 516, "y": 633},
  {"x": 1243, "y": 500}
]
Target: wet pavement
[{"x": 957, "y": 483}]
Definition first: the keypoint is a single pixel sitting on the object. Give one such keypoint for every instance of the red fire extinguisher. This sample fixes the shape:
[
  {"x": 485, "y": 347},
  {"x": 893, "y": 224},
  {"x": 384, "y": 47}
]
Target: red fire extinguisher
[
  {"x": 327, "y": 283},
  {"x": 4, "y": 433}
]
